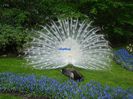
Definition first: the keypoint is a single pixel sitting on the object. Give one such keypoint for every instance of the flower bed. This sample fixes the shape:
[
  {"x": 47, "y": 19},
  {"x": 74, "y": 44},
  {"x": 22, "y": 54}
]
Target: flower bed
[
  {"x": 124, "y": 58},
  {"x": 44, "y": 86}
]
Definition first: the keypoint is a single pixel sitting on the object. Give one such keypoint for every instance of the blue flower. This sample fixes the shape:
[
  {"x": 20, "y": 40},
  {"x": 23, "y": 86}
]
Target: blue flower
[{"x": 69, "y": 89}]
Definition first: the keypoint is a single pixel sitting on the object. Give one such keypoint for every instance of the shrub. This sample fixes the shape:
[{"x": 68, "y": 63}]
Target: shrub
[{"x": 12, "y": 39}]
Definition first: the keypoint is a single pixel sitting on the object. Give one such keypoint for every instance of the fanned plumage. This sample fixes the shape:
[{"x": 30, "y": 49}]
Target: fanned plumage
[{"x": 69, "y": 42}]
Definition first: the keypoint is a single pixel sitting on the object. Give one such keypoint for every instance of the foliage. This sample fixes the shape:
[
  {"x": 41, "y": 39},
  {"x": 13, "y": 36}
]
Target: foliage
[
  {"x": 113, "y": 16},
  {"x": 12, "y": 39},
  {"x": 14, "y": 17},
  {"x": 10, "y": 82},
  {"x": 32, "y": 12}
]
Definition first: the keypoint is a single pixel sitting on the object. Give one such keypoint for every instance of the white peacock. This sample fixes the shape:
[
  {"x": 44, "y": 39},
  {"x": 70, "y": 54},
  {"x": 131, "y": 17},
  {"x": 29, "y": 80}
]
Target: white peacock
[{"x": 69, "y": 41}]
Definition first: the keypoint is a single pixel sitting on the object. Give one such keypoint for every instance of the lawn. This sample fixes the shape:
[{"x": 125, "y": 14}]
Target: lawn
[
  {"x": 117, "y": 76},
  {"x": 7, "y": 96}
]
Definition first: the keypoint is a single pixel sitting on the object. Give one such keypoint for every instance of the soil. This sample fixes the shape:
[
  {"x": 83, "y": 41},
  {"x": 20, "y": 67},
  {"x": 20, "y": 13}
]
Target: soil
[{"x": 25, "y": 96}]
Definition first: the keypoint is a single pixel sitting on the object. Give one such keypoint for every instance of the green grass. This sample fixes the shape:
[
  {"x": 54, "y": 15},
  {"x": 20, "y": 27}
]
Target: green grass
[
  {"x": 117, "y": 76},
  {"x": 8, "y": 96}
]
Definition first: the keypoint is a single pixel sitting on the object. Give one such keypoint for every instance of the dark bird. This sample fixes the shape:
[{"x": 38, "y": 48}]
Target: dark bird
[{"x": 73, "y": 74}]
